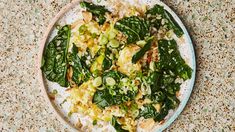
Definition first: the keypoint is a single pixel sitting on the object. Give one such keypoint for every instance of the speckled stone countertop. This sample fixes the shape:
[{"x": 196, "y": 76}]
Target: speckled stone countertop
[{"x": 211, "y": 24}]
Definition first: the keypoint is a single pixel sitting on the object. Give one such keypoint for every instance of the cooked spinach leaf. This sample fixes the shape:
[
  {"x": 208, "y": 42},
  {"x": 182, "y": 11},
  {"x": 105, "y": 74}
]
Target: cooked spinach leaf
[
  {"x": 163, "y": 113},
  {"x": 142, "y": 51},
  {"x": 156, "y": 14},
  {"x": 55, "y": 57},
  {"x": 102, "y": 61},
  {"x": 96, "y": 10},
  {"x": 87, "y": 56},
  {"x": 154, "y": 81},
  {"x": 117, "y": 126},
  {"x": 81, "y": 72},
  {"x": 162, "y": 80},
  {"x": 172, "y": 24},
  {"x": 172, "y": 102},
  {"x": 107, "y": 62},
  {"x": 102, "y": 98},
  {"x": 158, "y": 97},
  {"x": 108, "y": 97},
  {"x": 171, "y": 60},
  {"x": 135, "y": 28},
  {"x": 148, "y": 111}
]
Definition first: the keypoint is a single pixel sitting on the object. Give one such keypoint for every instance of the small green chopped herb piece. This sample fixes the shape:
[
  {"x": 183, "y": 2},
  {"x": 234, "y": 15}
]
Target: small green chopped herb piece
[
  {"x": 93, "y": 35},
  {"x": 114, "y": 43},
  {"x": 82, "y": 29},
  {"x": 103, "y": 40},
  {"x": 65, "y": 100},
  {"x": 54, "y": 91},
  {"x": 112, "y": 34},
  {"x": 110, "y": 81},
  {"x": 94, "y": 122},
  {"x": 97, "y": 82},
  {"x": 70, "y": 114}
]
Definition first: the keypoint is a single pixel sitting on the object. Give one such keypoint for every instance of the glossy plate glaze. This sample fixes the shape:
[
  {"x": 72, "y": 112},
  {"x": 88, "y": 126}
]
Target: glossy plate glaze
[{"x": 68, "y": 15}]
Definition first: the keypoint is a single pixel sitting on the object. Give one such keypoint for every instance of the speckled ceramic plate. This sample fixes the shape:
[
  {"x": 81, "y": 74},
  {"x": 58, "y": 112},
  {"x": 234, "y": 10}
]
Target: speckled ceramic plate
[{"x": 69, "y": 14}]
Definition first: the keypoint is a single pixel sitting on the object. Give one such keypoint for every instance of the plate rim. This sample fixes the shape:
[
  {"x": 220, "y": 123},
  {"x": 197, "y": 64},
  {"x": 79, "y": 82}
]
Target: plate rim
[{"x": 55, "y": 110}]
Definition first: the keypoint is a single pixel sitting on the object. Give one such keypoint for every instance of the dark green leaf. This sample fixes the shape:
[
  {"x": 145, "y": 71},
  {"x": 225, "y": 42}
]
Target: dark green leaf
[
  {"x": 135, "y": 28},
  {"x": 156, "y": 21},
  {"x": 142, "y": 51},
  {"x": 55, "y": 57},
  {"x": 96, "y": 10},
  {"x": 107, "y": 63},
  {"x": 172, "y": 102},
  {"x": 81, "y": 72},
  {"x": 163, "y": 113},
  {"x": 154, "y": 79},
  {"x": 148, "y": 111},
  {"x": 172, "y": 24},
  {"x": 171, "y": 59},
  {"x": 162, "y": 81},
  {"x": 172, "y": 88},
  {"x": 94, "y": 122},
  {"x": 152, "y": 13},
  {"x": 117, "y": 126},
  {"x": 158, "y": 97},
  {"x": 102, "y": 98}
]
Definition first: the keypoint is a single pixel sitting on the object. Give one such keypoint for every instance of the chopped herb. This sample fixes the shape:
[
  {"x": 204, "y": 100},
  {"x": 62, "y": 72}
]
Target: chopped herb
[
  {"x": 94, "y": 122},
  {"x": 70, "y": 114},
  {"x": 54, "y": 91}
]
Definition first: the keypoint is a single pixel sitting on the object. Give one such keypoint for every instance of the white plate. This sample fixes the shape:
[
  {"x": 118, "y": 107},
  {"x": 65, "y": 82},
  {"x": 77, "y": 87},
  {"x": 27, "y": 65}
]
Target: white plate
[{"x": 68, "y": 15}]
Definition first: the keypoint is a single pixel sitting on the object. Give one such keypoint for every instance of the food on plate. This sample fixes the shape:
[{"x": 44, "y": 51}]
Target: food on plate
[{"x": 121, "y": 67}]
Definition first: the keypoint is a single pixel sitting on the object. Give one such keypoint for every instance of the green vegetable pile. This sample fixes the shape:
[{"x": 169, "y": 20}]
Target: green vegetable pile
[{"x": 114, "y": 87}]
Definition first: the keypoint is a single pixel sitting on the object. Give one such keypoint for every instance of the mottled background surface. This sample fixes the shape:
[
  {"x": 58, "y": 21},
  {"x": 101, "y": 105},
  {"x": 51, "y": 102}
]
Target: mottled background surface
[{"x": 211, "y": 24}]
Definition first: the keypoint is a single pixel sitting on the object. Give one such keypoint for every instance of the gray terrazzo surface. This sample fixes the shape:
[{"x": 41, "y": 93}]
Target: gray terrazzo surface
[{"x": 211, "y": 24}]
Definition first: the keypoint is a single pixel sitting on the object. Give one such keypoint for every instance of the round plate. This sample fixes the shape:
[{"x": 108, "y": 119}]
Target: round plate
[{"x": 69, "y": 14}]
